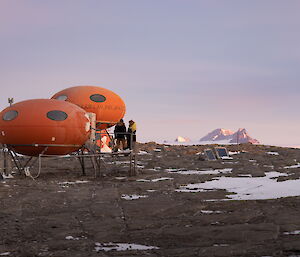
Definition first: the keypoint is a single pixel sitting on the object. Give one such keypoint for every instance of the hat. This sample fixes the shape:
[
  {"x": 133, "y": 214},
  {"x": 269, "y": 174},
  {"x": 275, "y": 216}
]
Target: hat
[
  {"x": 121, "y": 120},
  {"x": 131, "y": 121}
]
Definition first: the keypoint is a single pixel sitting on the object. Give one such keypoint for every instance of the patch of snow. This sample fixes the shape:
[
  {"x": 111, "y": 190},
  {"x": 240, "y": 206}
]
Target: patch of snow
[
  {"x": 209, "y": 212},
  {"x": 204, "y": 172},
  {"x": 296, "y": 232},
  {"x": 73, "y": 182},
  {"x": 151, "y": 190},
  {"x": 122, "y": 247},
  {"x": 269, "y": 166},
  {"x": 143, "y": 180},
  {"x": 161, "y": 179},
  {"x": 154, "y": 180},
  {"x": 120, "y": 178},
  {"x": 272, "y": 153},
  {"x": 5, "y": 254},
  {"x": 71, "y": 238},
  {"x": 233, "y": 153},
  {"x": 292, "y": 167},
  {"x": 7, "y": 176},
  {"x": 171, "y": 170},
  {"x": 252, "y": 161},
  {"x": 191, "y": 188},
  {"x": 226, "y": 158},
  {"x": 257, "y": 188},
  {"x": 143, "y": 153},
  {"x": 157, "y": 150},
  {"x": 221, "y": 245},
  {"x": 133, "y": 197}
]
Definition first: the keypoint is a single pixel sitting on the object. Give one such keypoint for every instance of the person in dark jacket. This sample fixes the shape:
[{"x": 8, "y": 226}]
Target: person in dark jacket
[{"x": 120, "y": 133}]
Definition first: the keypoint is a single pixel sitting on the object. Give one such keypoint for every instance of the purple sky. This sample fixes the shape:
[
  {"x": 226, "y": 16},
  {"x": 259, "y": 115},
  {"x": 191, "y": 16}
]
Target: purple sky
[{"x": 182, "y": 67}]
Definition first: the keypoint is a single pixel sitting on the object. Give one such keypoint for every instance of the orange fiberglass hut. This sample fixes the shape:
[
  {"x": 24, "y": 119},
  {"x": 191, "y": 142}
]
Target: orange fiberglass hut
[
  {"x": 45, "y": 126},
  {"x": 107, "y": 105}
]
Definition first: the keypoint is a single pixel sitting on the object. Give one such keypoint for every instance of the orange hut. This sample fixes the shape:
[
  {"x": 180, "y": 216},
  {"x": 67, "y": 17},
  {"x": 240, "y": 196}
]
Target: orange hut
[
  {"x": 44, "y": 126},
  {"x": 107, "y": 105}
]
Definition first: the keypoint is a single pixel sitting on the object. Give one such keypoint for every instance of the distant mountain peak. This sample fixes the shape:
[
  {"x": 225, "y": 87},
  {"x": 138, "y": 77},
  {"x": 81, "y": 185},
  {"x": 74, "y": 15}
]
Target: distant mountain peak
[
  {"x": 242, "y": 136},
  {"x": 221, "y": 134},
  {"x": 218, "y": 134},
  {"x": 181, "y": 139}
]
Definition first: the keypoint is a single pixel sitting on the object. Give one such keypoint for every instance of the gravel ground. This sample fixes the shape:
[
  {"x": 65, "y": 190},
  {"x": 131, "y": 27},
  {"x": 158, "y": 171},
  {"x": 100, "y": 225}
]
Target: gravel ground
[{"x": 65, "y": 214}]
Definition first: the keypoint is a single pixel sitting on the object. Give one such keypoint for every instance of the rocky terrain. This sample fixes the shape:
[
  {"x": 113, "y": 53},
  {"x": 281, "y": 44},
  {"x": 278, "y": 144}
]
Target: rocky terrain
[{"x": 175, "y": 206}]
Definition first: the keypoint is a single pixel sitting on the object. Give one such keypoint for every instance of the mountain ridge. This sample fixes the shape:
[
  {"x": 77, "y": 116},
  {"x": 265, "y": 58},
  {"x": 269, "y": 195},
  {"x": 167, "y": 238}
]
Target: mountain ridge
[{"x": 241, "y": 136}]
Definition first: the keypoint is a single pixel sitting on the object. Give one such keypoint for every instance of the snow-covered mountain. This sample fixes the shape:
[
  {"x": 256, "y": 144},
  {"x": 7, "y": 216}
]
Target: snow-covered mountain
[
  {"x": 181, "y": 139},
  {"x": 225, "y": 136},
  {"x": 218, "y": 134},
  {"x": 241, "y": 136}
]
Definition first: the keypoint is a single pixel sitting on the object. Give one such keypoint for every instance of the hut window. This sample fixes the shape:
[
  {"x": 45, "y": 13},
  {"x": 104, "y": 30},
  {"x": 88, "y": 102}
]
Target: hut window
[
  {"x": 61, "y": 97},
  {"x": 57, "y": 115},
  {"x": 10, "y": 115},
  {"x": 98, "y": 98}
]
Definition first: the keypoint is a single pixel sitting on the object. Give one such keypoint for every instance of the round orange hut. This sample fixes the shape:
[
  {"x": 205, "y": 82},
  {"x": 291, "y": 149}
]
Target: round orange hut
[
  {"x": 107, "y": 105},
  {"x": 45, "y": 126}
]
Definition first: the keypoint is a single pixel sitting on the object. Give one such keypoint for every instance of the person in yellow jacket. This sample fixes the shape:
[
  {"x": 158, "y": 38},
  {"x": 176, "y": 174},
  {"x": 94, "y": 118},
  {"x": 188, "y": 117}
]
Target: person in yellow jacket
[{"x": 131, "y": 136}]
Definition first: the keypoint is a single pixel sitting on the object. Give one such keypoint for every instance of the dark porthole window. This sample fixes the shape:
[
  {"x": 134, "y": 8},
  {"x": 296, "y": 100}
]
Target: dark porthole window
[
  {"x": 10, "y": 115},
  {"x": 57, "y": 115},
  {"x": 61, "y": 97},
  {"x": 98, "y": 98}
]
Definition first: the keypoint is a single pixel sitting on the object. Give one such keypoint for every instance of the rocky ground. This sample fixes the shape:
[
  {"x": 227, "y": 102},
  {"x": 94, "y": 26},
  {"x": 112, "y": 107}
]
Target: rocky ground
[{"x": 65, "y": 214}]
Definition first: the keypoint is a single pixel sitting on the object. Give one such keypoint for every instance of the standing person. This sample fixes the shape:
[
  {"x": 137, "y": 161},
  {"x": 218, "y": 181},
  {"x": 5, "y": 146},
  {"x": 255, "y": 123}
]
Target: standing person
[
  {"x": 120, "y": 132},
  {"x": 131, "y": 137}
]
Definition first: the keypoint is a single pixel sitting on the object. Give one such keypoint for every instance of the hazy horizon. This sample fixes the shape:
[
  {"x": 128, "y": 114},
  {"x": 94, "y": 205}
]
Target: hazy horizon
[{"x": 183, "y": 68}]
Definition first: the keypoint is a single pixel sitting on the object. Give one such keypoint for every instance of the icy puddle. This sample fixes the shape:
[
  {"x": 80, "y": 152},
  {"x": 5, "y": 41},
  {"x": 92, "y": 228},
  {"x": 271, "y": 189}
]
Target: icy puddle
[
  {"x": 245, "y": 188},
  {"x": 122, "y": 247}
]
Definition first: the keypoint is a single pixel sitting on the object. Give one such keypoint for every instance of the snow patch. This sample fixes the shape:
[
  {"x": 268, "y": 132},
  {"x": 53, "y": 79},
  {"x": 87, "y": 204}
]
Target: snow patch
[
  {"x": 209, "y": 212},
  {"x": 73, "y": 182},
  {"x": 204, "y": 172},
  {"x": 296, "y": 232},
  {"x": 7, "y": 176},
  {"x": 143, "y": 153},
  {"x": 272, "y": 153},
  {"x": 133, "y": 197},
  {"x": 122, "y": 247},
  {"x": 154, "y": 180},
  {"x": 226, "y": 158},
  {"x": 292, "y": 167},
  {"x": 245, "y": 188},
  {"x": 72, "y": 238}
]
